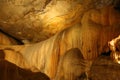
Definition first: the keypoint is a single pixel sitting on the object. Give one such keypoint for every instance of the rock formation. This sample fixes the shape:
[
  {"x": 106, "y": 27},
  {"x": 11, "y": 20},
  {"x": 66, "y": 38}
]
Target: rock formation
[
  {"x": 114, "y": 45},
  {"x": 44, "y": 56},
  {"x": 37, "y": 20},
  {"x": 104, "y": 68},
  {"x": 73, "y": 66},
  {"x": 55, "y": 26}
]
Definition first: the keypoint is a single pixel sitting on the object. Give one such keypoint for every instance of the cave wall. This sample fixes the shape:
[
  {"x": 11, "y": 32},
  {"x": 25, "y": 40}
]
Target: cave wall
[
  {"x": 37, "y": 20},
  {"x": 32, "y": 21}
]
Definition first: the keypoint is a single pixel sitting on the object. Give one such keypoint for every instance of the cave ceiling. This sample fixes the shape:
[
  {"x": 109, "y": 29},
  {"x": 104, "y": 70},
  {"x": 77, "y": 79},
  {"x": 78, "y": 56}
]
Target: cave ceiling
[{"x": 37, "y": 20}]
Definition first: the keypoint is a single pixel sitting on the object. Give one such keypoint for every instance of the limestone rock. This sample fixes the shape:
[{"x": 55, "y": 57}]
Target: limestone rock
[
  {"x": 37, "y": 20},
  {"x": 105, "y": 69}
]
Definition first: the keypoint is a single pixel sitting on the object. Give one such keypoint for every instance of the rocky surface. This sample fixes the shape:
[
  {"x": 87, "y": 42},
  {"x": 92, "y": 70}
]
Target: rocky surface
[
  {"x": 37, "y": 20},
  {"x": 31, "y": 21},
  {"x": 105, "y": 69}
]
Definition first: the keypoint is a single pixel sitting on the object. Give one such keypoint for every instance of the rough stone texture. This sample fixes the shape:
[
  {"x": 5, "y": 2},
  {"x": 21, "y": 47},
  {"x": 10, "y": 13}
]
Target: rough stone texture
[
  {"x": 102, "y": 69},
  {"x": 105, "y": 69},
  {"x": 27, "y": 22},
  {"x": 37, "y": 20}
]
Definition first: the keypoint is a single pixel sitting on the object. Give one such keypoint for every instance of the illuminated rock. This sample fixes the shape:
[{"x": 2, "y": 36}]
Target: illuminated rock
[
  {"x": 37, "y": 25},
  {"x": 44, "y": 56},
  {"x": 37, "y": 20},
  {"x": 114, "y": 45}
]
